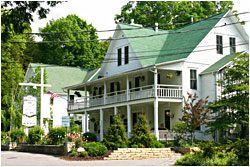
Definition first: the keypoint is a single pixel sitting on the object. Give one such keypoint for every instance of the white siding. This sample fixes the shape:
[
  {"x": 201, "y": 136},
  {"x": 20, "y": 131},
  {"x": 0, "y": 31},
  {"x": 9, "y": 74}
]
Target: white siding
[
  {"x": 112, "y": 68},
  {"x": 208, "y": 86}
]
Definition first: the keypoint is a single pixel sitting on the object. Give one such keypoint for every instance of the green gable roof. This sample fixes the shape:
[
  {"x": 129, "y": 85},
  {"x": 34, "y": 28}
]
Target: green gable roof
[
  {"x": 166, "y": 46},
  {"x": 219, "y": 64},
  {"x": 62, "y": 76},
  {"x": 90, "y": 74}
]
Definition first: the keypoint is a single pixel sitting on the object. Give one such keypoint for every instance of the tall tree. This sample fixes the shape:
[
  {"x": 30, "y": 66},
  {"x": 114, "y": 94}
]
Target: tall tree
[
  {"x": 195, "y": 112},
  {"x": 232, "y": 108},
  {"x": 17, "y": 15},
  {"x": 147, "y": 13},
  {"x": 81, "y": 54}
]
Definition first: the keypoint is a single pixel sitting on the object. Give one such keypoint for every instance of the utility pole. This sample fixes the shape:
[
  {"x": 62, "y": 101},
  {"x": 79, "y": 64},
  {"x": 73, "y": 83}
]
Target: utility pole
[{"x": 42, "y": 85}]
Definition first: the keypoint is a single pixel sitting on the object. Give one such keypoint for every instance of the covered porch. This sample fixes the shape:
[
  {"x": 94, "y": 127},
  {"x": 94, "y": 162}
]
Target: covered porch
[{"x": 161, "y": 116}]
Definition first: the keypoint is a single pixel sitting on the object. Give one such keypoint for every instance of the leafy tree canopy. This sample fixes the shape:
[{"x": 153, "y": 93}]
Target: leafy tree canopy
[
  {"x": 80, "y": 54},
  {"x": 17, "y": 15},
  {"x": 147, "y": 13},
  {"x": 232, "y": 108}
]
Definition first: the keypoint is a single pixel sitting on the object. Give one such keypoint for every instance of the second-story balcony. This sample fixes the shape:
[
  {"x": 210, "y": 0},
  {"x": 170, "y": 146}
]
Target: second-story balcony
[{"x": 148, "y": 91}]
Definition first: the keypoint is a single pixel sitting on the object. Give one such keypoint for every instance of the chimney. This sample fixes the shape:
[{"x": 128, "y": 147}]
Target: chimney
[
  {"x": 156, "y": 27},
  {"x": 132, "y": 22},
  {"x": 192, "y": 19}
]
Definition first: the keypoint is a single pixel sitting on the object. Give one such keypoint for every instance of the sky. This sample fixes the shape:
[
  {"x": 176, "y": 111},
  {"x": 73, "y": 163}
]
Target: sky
[{"x": 101, "y": 13}]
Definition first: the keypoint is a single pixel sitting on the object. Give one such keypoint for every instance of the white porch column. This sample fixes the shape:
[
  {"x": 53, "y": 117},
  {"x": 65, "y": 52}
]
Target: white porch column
[
  {"x": 115, "y": 110},
  {"x": 156, "y": 131},
  {"x": 83, "y": 123},
  {"x": 155, "y": 82},
  {"x": 101, "y": 124},
  {"x": 85, "y": 97},
  {"x": 105, "y": 92},
  {"x": 86, "y": 121},
  {"x": 127, "y": 84},
  {"x": 128, "y": 120}
]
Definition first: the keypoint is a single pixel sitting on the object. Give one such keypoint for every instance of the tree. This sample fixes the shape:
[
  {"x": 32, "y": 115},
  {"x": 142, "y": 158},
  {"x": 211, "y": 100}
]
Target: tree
[
  {"x": 17, "y": 15},
  {"x": 116, "y": 134},
  {"x": 195, "y": 112},
  {"x": 80, "y": 54},
  {"x": 232, "y": 108},
  {"x": 147, "y": 13},
  {"x": 141, "y": 133}
]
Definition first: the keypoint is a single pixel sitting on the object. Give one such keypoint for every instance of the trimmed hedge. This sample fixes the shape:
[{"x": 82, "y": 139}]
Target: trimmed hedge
[{"x": 95, "y": 149}]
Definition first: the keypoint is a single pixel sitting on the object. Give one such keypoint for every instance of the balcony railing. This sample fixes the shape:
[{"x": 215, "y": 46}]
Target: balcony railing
[{"x": 163, "y": 91}]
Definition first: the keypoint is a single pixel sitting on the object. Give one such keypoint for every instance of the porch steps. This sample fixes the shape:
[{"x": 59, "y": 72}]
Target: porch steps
[{"x": 141, "y": 153}]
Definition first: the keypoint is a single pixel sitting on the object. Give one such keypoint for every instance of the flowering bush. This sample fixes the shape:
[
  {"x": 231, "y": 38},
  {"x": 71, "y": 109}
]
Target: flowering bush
[
  {"x": 35, "y": 134},
  {"x": 57, "y": 135},
  {"x": 5, "y": 137},
  {"x": 72, "y": 137}
]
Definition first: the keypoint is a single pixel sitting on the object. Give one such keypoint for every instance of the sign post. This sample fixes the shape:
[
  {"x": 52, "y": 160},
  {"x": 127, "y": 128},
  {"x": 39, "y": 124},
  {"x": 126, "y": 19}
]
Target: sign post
[
  {"x": 66, "y": 124},
  {"x": 42, "y": 85}
]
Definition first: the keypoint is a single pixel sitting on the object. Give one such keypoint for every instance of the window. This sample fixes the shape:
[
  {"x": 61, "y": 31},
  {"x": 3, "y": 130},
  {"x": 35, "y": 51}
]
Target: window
[
  {"x": 71, "y": 98},
  {"x": 112, "y": 88},
  {"x": 193, "y": 79},
  {"x": 100, "y": 92},
  {"x": 219, "y": 44},
  {"x": 126, "y": 55},
  {"x": 119, "y": 61},
  {"x": 159, "y": 79},
  {"x": 137, "y": 83},
  {"x": 118, "y": 87},
  {"x": 232, "y": 45},
  {"x": 167, "y": 119}
]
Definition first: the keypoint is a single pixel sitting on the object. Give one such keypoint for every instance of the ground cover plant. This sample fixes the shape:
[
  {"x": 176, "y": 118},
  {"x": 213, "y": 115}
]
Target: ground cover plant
[{"x": 212, "y": 154}]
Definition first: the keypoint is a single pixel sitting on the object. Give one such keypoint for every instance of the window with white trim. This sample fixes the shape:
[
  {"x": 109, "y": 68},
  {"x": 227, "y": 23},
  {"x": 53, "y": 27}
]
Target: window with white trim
[
  {"x": 119, "y": 57},
  {"x": 219, "y": 44},
  {"x": 193, "y": 79},
  {"x": 232, "y": 45}
]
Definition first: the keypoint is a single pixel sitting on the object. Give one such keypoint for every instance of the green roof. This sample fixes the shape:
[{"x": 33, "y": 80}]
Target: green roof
[
  {"x": 90, "y": 74},
  {"x": 166, "y": 46},
  {"x": 63, "y": 76},
  {"x": 219, "y": 64}
]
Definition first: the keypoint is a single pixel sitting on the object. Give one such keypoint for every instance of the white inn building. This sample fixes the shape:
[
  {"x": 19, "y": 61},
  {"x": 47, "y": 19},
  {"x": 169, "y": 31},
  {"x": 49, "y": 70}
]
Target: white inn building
[{"x": 150, "y": 70}]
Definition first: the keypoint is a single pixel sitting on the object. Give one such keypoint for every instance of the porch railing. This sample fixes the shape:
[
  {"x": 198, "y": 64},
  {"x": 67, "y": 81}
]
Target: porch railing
[{"x": 163, "y": 91}]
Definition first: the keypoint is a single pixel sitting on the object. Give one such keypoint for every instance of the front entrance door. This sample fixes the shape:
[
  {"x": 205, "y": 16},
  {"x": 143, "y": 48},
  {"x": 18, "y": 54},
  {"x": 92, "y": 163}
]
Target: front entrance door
[{"x": 167, "y": 119}]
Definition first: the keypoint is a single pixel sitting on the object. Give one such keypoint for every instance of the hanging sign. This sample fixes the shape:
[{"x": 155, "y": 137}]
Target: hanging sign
[
  {"x": 65, "y": 121},
  {"x": 28, "y": 121},
  {"x": 29, "y": 105}
]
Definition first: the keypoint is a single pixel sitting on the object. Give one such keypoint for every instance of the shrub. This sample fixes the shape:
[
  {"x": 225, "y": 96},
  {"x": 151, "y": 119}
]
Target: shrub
[
  {"x": 84, "y": 154},
  {"x": 16, "y": 133},
  {"x": 45, "y": 141},
  {"x": 35, "y": 134},
  {"x": 141, "y": 133},
  {"x": 5, "y": 137},
  {"x": 57, "y": 135},
  {"x": 74, "y": 153},
  {"x": 78, "y": 142},
  {"x": 134, "y": 146},
  {"x": 95, "y": 149},
  {"x": 90, "y": 136},
  {"x": 73, "y": 150},
  {"x": 157, "y": 144},
  {"x": 208, "y": 147},
  {"x": 240, "y": 147},
  {"x": 116, "y": 134}
]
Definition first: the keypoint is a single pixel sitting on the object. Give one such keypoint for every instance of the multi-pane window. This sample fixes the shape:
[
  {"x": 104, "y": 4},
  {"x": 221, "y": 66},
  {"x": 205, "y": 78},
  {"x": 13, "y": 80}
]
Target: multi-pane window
[
  {"x": 126, "y": 55},
  {"x": 119, "y": 61},
  {"x": 193, "y": 79},
  {"x": 232, "y": 45},
  {"x": 219, "y": 44}
]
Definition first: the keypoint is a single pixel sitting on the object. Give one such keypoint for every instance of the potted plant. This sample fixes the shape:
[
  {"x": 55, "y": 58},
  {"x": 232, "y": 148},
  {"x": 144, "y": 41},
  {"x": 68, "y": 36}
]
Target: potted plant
[{"x": 169, "y": 76}]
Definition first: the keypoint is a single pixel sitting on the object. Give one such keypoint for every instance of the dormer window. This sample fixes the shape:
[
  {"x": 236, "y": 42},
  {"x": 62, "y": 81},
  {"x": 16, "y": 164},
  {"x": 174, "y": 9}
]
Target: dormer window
[
  {"x": 126, "y": 55},
  {"x": 119, "y": 57},
  {"x": 219, "y": 44}
]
